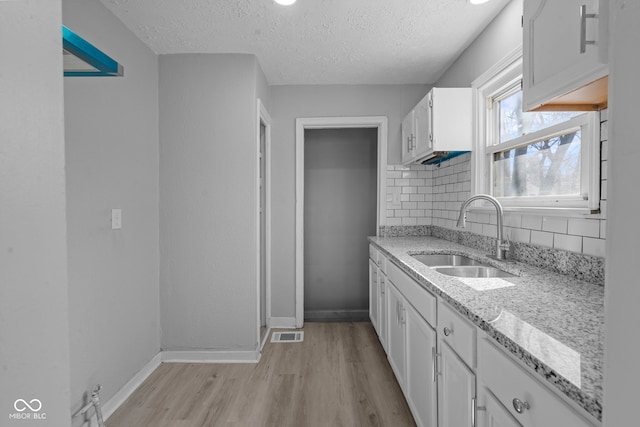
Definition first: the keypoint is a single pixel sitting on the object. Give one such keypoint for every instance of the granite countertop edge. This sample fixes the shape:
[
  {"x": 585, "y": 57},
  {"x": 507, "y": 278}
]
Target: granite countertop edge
[{"x": 590, "y": 404}]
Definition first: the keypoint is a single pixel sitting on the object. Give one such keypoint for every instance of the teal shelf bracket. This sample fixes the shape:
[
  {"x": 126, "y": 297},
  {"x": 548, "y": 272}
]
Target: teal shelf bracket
[{"x": 82, "y": 59}]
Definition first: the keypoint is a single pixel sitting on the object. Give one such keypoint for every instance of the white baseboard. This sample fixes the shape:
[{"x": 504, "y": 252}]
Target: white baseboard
[
  {"x": 281, "y": 322},
  {"x": 111, "y": 405},
  {"x": 206, "y": 356}
]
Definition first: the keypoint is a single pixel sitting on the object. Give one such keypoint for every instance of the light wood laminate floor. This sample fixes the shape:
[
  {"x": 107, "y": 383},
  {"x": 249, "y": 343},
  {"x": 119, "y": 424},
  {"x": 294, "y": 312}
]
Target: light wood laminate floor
[{"x": 338, "y": 377}]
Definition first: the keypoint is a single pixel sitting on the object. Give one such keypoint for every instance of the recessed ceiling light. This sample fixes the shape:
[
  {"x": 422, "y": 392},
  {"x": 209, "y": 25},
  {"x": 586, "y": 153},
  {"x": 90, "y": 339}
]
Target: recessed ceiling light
[
  {"x": 285, "y": 2},
  {"x": 475, "y": 1}
]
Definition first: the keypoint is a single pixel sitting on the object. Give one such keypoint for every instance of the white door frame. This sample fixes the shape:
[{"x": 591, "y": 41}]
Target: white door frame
[
  {"x": 379, "y": 122},
  {"x": 262, "y": 116}
]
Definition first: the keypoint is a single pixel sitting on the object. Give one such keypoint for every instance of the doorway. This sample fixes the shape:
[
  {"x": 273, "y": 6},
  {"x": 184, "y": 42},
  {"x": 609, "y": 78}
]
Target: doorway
[
  {"x": 340, "y": 194},
  {"x": 263, "y": 223},
  {"x": 302, "y": 124}
]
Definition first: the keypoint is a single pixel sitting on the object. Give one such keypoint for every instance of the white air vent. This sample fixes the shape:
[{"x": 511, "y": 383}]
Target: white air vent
[{"x": 287, "y": 336}]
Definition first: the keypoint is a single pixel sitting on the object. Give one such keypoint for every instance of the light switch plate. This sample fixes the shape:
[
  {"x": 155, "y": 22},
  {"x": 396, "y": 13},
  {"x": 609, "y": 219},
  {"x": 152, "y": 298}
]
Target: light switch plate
[{"x": 116, "y": 219}]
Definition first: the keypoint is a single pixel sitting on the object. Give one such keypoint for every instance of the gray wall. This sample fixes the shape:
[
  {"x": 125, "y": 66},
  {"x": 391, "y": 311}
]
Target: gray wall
[
  {"x": 111, "y": 127},
  {"x": 500, "y": 37},
  {"x": 291, "y": 102},
  {"x": 208, "y": 193},
  {"x": 340, "y": 192},
  {"x": 34, "y": 323},
  {"x": 622, "y": 293}
]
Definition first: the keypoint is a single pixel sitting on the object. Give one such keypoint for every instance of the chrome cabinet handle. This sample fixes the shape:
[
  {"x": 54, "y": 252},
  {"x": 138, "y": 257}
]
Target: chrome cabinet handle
[
  {"x": 447, "y": 331},
  {"x": 583, "y": 28},
  {"x": 403, "y": 315},
  {"x": 520, "y": 406},
  {"x": 473, "y": 412},
  {"x": 434, "y": 358}
]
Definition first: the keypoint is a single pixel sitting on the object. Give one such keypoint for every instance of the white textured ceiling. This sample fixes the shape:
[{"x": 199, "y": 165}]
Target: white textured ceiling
[{"x": 316, "y": 41}]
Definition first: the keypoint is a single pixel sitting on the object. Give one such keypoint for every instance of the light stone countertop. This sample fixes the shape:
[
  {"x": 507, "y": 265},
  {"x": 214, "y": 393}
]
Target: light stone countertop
[{"x": 553, "y": 323}]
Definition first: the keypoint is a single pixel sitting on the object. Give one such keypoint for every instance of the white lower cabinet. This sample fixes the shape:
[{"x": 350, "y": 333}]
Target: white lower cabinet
[
  {"x": 382, "y": 309},
  {"x": 395, "y": 333},
  {"x": 373, "y": 296},
  {"x": 436, "y": 353},
  {"x": 456, "y": 390},
  {"x": 495, "y": 415},
  {"x": 420, "y": 387},
  {"x": 528, "y": 401}
]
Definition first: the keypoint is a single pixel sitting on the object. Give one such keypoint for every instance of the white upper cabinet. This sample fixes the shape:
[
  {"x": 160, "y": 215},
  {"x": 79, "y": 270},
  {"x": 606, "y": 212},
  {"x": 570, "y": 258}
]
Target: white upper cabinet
[
  {"x": 408, "y": 133},
  {"x": 439, "y": 125},
  {"x": 565, "y": 54}
]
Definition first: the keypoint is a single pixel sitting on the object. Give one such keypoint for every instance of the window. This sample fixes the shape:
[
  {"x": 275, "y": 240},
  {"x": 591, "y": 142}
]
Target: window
[{"x": 533, "y": 159}]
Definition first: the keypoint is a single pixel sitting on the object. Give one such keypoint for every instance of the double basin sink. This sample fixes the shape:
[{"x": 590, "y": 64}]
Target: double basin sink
[{"x": 460, "y": 266}]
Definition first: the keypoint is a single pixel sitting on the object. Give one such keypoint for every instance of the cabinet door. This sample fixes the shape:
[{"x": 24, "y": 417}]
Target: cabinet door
[
  {"x": 373, "y": 295},
  {"x": 555, "y": 60},
  {"x": 495, "y": 415},
  {"x": 456, "y": 390},
  {"x": 420, "y": 389},
  {"x": 408, "y": 137},
  {"x": 395, "y": 333},
  {"x": 422, "y": 122},
  {"x": 382, "y": 312}
]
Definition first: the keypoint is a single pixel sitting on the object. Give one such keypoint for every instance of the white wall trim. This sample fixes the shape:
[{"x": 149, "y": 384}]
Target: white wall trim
[
  {"x": 210, "y": 356},
  {"x": 110, "y": 406},
  {"x": 263, "y": 117},
  {"x": 379, "y": 122},
  {"x": 189, "y": 356},
  {"x": 282, "y": 323}
]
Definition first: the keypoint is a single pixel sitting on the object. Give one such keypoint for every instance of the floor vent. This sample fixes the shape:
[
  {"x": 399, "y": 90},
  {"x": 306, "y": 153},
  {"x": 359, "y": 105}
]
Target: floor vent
[{"x": 287, "y": 336}]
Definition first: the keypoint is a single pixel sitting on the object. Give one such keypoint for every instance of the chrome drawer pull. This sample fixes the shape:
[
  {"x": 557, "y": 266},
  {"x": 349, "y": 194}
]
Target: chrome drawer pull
[
  {"x": 520, "y": 406},
  {"x": 583, "y": 28},
  {"x": 447, "y": 331}
]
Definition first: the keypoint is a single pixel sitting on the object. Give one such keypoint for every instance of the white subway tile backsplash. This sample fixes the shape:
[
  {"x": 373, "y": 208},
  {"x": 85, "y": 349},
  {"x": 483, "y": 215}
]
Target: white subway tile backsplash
[
  {"x": 513, "y": 220},
  {"x": 567, "y": 242},
  {"x": 584, "y": 227},
  {"x": 542, "y": 238},
  {"x": 554, "y": 224},
  {"x": 409, "y": 190},
  {"x": 394, "y": 221},
  {"x": 595, "y": 247},
  {"x": 409, "y": 221},
  {"x": 604, "y": 131},
  {"x": 521, "y": 235},
  {"x": 432, "y": 195},
  {"x": 394, "y": 174},
  {"x": 532, "y": 222},
  {"x": 489, "y": 230}
]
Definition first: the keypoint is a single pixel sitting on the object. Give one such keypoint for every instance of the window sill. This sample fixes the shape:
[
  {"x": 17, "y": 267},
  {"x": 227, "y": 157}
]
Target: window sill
[{"x": 561, "y": 212}]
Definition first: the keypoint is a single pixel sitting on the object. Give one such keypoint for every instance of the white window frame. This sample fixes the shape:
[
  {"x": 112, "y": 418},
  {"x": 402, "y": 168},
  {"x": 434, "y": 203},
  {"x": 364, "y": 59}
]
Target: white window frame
[{"x": 497, "y": 81}]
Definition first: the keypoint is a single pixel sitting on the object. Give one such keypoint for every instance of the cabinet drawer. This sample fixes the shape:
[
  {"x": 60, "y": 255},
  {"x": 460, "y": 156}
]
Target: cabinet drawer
[
  {"x": 423, "y": 301},
  {"x": 373, "y": 254},
  {"x": 458, "y": 333},
  {"x": 509, "y": 381}
]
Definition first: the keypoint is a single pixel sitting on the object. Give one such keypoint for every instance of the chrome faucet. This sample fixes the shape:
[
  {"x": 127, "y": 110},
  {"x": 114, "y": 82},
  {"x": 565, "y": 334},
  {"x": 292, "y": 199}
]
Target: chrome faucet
[{"x": 502, "y": 246}]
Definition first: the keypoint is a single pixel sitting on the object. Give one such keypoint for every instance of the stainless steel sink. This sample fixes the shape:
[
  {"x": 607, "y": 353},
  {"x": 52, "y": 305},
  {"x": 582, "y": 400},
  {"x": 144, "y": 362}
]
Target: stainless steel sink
[
  {"x": 434, "y": 260},
  {"x": 473, "y": 271}
]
